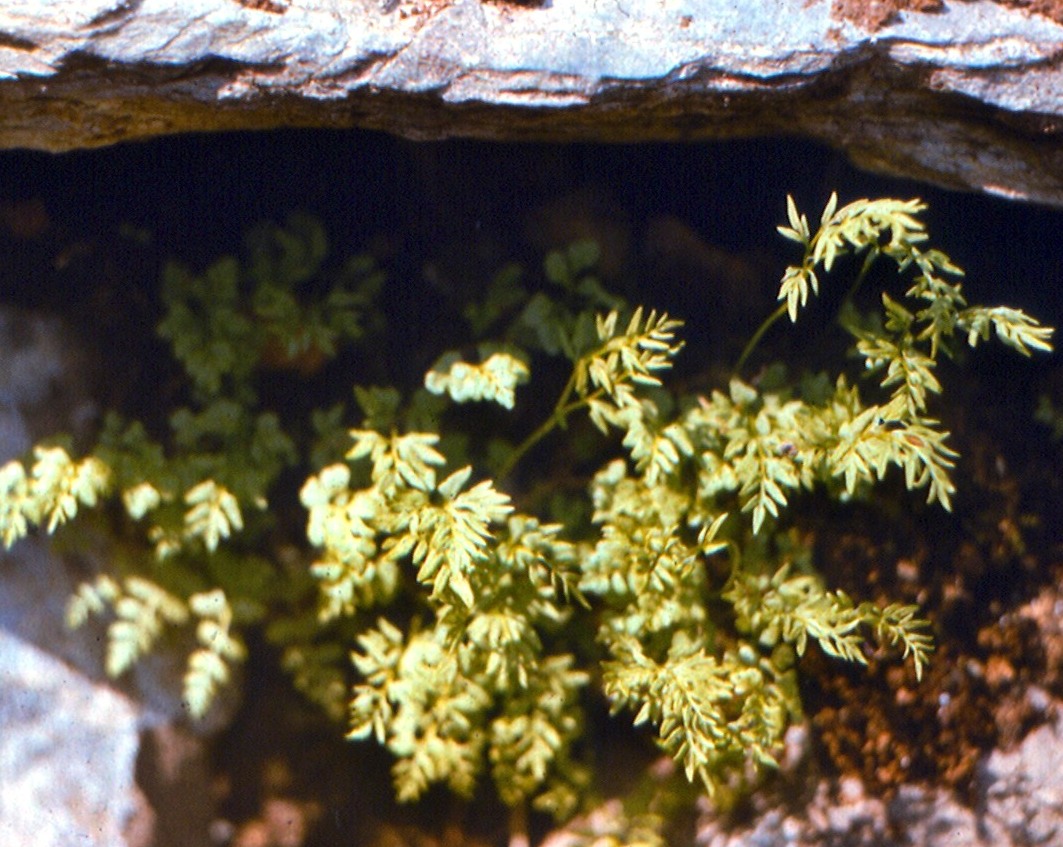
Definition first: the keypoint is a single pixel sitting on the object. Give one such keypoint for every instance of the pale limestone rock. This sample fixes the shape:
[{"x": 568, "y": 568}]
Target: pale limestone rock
[{"x": 968, "y": 97}]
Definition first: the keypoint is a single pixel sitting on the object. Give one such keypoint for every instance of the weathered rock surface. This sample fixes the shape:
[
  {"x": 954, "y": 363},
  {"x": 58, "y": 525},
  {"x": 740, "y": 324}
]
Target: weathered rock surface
[
  {"x": 968, "y": 96},
  {"x": 81, "y": 762},
  {"x": 1015, "y": 800},
  {"x": 1018, "y": 802},
  {"x": 67, "y": 755}
]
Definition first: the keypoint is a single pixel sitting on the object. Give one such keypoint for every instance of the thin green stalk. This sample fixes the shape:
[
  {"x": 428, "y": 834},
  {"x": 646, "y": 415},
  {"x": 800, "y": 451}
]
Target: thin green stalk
[
  {"x": 518, "y": 826},
  {"x": 869, "y": 260},
  {"x": 759, "y": 334},
  {"x": 562, "y": 409},
  {"x": 769, "y": 322}
]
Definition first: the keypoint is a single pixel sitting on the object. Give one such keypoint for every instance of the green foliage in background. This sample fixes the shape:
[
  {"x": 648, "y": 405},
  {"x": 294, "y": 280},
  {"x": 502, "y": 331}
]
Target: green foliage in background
[{"x": 472, "y": 622}]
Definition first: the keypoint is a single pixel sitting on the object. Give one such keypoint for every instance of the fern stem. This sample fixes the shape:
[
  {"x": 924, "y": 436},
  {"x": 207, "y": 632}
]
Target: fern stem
[
  {"x": 518, "y": 826},
  {"x": 769, "y": 322},
  {"x": 540, "y": 433},
  {"x": 564, "y": 407},
  {"x": 759, "y": 334},
  {"x": 557, "y": 417},
  {"x": 869, "y": 260}
]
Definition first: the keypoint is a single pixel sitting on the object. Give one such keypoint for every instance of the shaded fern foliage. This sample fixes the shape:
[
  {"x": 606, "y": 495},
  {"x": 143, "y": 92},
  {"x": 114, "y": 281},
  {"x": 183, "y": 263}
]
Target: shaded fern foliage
[{"x": 451, "y": 603}]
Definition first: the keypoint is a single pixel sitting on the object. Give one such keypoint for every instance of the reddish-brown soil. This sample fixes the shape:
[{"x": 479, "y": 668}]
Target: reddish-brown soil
[{"x": 873, "y": 14}]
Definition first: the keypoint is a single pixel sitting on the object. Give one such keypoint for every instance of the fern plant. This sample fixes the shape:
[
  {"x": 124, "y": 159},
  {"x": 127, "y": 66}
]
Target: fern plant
[
  {"x": 197, "y": 498},
  {"x": 464, "y": 613}
]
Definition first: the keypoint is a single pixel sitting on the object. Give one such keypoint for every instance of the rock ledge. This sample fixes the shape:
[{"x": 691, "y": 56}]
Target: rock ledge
[{"x": 970, "y": 96}]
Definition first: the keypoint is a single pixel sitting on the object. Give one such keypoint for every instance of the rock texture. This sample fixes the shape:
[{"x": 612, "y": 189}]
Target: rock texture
[
  {"x": 964, "y": 94},
  {"x": 80, "y": 761},
  {"x": 1019, "y": 802},
  {"x": 67, "y": 755},
  {"x": 1014, "y": 800}
]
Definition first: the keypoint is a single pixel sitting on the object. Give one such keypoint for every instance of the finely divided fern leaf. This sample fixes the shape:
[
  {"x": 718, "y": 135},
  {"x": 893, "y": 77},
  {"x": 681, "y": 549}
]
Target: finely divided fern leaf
[
  {"x": 213, "y": 514},
  {"x": 50, "y": 494},
  {"x": 451, "y": 537},
  {"x": 496, "y": 379}
]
